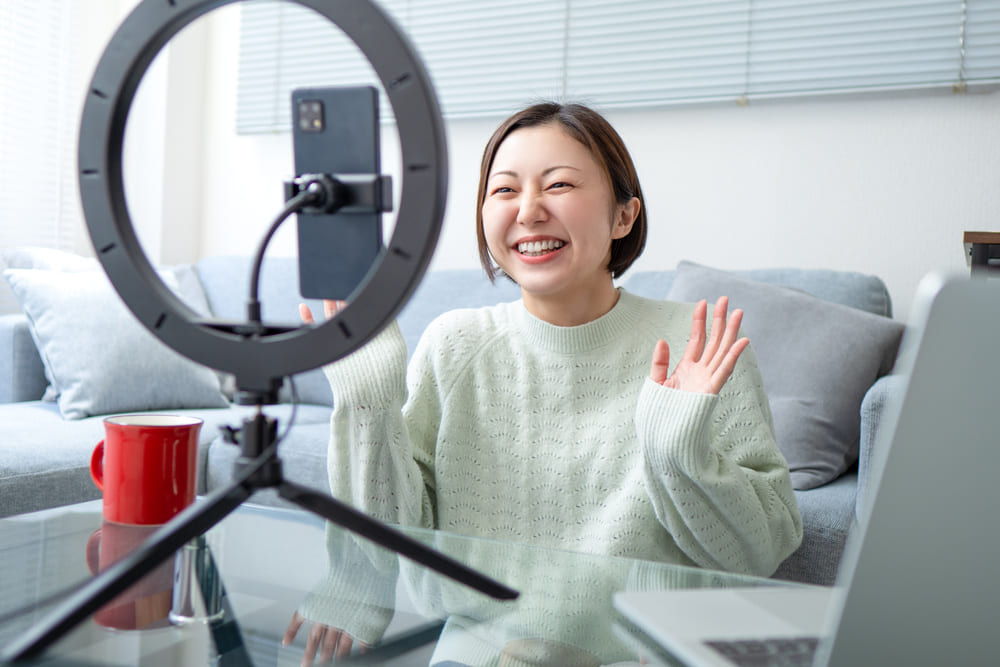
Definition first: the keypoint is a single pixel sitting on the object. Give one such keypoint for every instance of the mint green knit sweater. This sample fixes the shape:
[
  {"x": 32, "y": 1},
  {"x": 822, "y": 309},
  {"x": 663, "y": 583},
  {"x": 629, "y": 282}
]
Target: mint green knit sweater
[{"x": 507, "y": 427}]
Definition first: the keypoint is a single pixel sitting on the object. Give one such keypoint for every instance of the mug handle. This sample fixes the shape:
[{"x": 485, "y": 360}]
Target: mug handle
[
  {"x": 97, "y": 465},
  {"x": 93, "y": 551}
]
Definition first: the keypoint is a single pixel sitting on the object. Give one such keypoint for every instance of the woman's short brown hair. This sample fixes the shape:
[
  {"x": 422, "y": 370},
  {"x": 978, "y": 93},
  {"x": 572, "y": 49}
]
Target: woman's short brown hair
[{"x": 595, "y": 132}]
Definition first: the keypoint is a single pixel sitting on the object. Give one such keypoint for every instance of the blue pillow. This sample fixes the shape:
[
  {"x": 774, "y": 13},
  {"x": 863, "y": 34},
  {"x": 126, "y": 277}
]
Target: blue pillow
[{"x": 98, "y": 357}]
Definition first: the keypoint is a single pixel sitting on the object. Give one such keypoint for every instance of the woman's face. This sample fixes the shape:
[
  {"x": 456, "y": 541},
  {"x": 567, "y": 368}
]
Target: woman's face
[{"x": 549, "y": 215}]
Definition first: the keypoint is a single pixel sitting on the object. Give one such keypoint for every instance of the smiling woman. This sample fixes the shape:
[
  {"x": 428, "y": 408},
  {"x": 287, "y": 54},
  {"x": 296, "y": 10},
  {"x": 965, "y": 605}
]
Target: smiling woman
[{"x": 562, "y": 419}]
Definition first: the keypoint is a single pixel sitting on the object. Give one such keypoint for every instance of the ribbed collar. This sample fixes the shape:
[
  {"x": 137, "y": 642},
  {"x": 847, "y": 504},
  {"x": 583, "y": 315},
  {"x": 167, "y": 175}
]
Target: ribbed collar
[{"x": 621, "y": 319}]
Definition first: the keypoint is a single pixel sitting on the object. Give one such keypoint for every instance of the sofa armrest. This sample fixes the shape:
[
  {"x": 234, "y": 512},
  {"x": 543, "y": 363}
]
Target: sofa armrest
[
  {"x": 22, "y": 376},
  {"x": 874, "y": 419}
]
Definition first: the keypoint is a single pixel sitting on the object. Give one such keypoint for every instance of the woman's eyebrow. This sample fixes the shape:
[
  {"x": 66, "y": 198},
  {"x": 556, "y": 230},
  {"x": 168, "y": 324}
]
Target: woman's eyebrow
[
  {"x": 558, "y": 167},
  {"x": 545, "y": 172}
]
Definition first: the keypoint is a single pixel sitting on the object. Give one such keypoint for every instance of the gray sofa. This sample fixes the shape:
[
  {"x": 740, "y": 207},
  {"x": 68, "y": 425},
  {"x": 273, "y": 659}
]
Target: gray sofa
[{"x": 44, "y": 456}]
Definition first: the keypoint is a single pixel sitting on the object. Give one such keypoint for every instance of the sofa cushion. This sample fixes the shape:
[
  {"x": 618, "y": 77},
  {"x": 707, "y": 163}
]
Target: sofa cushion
[
  {"x": 827, "y": 519},
  {"x": 817, "y": 360},
  {"x": 47, "y": 259},
  {"x": 98, "y": 357}
]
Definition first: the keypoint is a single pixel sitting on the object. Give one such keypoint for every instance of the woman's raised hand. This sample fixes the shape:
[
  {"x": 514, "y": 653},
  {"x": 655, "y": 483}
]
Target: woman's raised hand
[
  {"x": 330, "y": 308},
  {"x": 705, "y": 367}
]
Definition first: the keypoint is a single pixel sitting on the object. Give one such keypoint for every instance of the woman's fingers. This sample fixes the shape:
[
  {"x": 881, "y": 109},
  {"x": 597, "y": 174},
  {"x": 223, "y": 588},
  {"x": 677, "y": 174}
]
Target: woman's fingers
[
  {"x": 316, "y": 635},
  {"x": 725, "y": 369},
  {"x": 696, "y": 343},
  {"x": 661, "y": 362},
  {"x": 343, "y": 647},
  {"x": 293, "y": 626},
  {"x": 333, "y": 644},
  {"x": 728, "y": 336},
  {"x": 322, "y": 641},
  {"x": 330, "y": 308},
  {"x": 718, "y": 324}
]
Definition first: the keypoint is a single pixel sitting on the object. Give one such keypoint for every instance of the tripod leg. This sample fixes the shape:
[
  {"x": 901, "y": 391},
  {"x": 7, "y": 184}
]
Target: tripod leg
[
  {"x": 383, "y": 535},
  {"x": 187, "y": 525}
]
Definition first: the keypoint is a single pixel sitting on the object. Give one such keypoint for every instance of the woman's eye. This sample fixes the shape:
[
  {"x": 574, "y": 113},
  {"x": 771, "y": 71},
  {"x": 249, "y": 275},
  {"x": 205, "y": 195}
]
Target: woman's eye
[
  {"x": 502, "y": 190},
  {"x": 559, "y": 184}
]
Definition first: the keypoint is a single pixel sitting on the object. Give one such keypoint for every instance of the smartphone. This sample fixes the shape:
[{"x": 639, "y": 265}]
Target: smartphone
[{"x": 336, "y": 132}]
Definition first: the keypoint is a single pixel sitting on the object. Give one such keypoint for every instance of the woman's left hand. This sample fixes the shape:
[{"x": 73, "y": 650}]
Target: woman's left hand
[
  {"x": 326, "y": 641},
  {"x": 704, "y": 368}
]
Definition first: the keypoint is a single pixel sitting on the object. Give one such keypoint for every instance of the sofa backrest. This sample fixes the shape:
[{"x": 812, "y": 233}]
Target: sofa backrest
[
  {"x": 22, "y": 375},
  {"x": 857, "y": 290},
  {"x": 225, "y": 280},
  {"x": 226, "y": 283}
]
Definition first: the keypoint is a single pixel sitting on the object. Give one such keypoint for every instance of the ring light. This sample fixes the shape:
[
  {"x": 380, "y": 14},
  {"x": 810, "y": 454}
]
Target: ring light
[
  {"x": 256, "y": 361},
  {"x": 257, "y": 356}
]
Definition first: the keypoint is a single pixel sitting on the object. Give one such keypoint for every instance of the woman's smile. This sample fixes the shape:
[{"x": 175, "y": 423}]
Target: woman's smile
[{"x": 535, "y": 249}]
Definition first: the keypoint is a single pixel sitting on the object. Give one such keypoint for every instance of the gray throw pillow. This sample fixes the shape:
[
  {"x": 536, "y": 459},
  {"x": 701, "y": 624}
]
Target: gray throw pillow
[
  {"x": 98, "y": 357},
  {"x": 817, "y": 359}
]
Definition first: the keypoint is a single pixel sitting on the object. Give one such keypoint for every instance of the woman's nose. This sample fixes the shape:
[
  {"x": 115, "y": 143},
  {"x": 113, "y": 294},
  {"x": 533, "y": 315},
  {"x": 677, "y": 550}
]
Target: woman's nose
[{"x": 530, "y": 209}]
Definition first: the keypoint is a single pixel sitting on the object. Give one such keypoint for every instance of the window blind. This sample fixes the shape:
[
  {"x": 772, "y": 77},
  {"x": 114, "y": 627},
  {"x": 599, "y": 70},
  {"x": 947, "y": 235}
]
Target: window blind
[
  {"x": 820, "y": 46},
  {"x": 474, "y": 66},
  {"x": 284, "y": 46},
  {"x": 39, "y": 114},
  {"x": 489, "y": 59}
]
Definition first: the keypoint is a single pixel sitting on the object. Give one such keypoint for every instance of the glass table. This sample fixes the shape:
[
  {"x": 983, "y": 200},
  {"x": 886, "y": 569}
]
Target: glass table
[{"x": 230, "y": 599}]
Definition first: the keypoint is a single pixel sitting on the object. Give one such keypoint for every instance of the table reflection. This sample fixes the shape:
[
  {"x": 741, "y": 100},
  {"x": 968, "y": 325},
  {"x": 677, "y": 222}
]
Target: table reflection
[{"x": 563, "y": 616}]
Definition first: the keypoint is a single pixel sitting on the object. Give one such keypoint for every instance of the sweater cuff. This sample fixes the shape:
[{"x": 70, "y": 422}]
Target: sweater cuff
[
  {"x": 373, "y": 375},
  {"x": 361, "y": 619},
  {"x": 672, "y": 426},
  {"x": 357, "y": 595}
]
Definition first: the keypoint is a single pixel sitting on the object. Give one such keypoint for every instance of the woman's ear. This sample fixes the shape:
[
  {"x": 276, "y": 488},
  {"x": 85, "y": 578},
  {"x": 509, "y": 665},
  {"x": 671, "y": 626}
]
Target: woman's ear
[{"x": 625, "y": 217}]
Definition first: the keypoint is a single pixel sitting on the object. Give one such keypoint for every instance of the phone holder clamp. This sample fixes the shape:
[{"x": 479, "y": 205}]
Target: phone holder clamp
[{"x": 344, "y": 193}]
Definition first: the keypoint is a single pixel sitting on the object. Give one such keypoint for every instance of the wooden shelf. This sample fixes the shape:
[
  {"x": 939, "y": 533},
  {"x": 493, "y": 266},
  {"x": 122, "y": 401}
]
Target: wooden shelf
[{"x": 982, "y": 251}]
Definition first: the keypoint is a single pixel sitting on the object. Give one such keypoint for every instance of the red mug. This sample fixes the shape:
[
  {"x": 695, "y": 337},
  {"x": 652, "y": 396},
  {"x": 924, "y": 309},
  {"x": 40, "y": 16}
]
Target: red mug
[
  {"x": 144, "y": 604},
  {"x": 146, "y": 467}
]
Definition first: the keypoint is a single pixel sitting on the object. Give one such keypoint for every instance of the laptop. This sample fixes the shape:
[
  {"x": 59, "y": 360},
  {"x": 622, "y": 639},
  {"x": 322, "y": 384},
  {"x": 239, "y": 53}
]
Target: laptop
[{"x": 919, "y": 582}]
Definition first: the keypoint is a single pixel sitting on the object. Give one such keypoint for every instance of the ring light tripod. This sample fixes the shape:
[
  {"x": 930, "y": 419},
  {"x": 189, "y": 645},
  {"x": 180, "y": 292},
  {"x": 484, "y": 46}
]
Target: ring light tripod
[{"x": 257, "y": 354}]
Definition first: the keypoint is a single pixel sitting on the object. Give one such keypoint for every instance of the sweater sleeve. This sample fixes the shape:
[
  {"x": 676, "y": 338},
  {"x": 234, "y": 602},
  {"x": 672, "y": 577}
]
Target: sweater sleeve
[
  {"x": 716, "y": 478},
  {"x": 358, "y": 593},
  {"x": 371, "y": 462}
]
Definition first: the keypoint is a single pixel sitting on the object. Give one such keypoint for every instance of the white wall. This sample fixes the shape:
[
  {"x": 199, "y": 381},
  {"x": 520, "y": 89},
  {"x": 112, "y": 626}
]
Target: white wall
[{"x": 882, "y": 185}]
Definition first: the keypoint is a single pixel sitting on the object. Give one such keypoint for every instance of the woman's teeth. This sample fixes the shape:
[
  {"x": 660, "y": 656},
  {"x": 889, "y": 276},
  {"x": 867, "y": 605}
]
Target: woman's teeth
[{"x": 536, "y": 248}]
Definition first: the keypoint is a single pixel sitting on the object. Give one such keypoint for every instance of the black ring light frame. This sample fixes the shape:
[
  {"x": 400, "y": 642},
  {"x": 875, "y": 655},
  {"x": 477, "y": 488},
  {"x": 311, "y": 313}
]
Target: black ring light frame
[
  {"x": 255, "y": 361},
  {"x": 258, "y": 360}
]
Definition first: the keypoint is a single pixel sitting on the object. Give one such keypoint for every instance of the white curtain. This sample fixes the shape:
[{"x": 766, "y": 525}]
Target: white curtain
[
  {"x": 48, "y": 50},
  {"x": 37, "y": 132}
]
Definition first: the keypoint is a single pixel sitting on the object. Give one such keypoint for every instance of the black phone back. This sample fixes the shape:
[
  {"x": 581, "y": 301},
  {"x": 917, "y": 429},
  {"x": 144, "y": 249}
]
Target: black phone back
[{"x": 336, "y": 131}]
